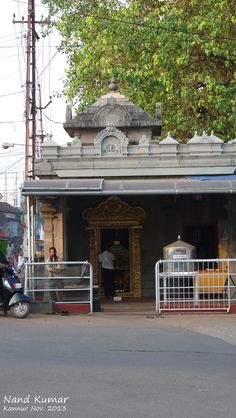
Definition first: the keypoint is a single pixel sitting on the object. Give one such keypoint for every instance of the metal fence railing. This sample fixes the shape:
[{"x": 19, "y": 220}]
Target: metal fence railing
[
  {"x": 60, "y": 282},
  {"x": 195, "y": 285}
]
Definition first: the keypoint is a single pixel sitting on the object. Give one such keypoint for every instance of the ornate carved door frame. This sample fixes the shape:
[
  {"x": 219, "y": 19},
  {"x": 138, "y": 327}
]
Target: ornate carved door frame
[{"x": 114, "y": 213}]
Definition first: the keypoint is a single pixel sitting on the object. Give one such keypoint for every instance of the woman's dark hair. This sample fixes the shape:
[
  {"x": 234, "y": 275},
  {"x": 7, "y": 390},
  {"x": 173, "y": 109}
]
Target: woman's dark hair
[
  {"x": 52, "y": 248},
  {"x": 3, "y": 259}
]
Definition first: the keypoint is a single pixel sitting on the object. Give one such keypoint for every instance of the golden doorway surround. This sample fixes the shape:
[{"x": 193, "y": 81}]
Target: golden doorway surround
[{"x": 114, "y": 213}]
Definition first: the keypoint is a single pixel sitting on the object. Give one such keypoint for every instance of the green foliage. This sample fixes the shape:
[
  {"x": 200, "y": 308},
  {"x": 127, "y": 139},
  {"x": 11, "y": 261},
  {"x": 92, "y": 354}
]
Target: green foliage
[{"x": 181, "y": 53}]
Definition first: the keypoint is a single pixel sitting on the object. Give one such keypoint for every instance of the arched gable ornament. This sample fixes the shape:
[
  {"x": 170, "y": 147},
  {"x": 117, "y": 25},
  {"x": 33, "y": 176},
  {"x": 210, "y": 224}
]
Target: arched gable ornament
[
  {"x": 111, "y": 113},
  {"x": 111, "y": 142}
]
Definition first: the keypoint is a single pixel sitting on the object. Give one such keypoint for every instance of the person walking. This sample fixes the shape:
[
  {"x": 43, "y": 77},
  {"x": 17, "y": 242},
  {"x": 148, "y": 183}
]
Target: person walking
[{"x": 106, "y": 259}]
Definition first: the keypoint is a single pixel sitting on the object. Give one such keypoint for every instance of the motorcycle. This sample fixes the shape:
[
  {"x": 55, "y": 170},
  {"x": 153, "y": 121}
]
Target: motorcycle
[{"x": 11, "y": 293}]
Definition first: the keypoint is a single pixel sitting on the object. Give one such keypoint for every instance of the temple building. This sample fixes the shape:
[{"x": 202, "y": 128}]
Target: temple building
[{"x": 115, "y": 184}]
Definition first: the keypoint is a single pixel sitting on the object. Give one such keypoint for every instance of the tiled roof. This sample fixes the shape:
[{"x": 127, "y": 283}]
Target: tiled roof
[{"x": 6, "y": 207}]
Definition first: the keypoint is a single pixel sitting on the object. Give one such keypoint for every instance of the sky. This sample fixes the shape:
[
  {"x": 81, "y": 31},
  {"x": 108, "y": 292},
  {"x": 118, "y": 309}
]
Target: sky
[{"x": 50, "y": 65}]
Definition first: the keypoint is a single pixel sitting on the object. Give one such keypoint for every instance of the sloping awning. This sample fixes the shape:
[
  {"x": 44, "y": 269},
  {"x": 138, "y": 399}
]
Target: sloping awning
[
  {"x": 98, "y": 186},
  {"x": 206, "y": 178}
]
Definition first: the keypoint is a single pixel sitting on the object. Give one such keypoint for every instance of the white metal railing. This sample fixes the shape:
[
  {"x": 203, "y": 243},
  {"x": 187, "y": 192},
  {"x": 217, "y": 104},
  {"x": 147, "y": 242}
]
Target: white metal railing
[
  {"x": 61, "y": 282},
  {"x": 195, "y": 285}
]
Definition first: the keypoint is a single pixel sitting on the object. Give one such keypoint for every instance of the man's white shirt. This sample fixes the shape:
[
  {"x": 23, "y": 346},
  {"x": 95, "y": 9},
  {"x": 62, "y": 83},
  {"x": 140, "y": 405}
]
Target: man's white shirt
[{"x": 106, "y": 259}]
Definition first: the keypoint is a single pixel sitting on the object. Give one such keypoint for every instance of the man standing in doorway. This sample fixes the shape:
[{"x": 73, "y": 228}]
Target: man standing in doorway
[{"x": 106, "y": 259}]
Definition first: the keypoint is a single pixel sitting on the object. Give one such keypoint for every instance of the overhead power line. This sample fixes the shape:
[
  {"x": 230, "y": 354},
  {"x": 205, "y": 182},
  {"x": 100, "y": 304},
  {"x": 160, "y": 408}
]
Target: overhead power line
[
  {"x": 9, "y": 56},
  {"x": 169, "y": 29},
  {"x": 26, "y": 2},
  {"x": 9, "y": 36},
  {"x": 12, "y": 94},
  {"x": 161, "y": 28},
  {"x": 12, "y": 121},
  {"x": 8, "y": 75},
  {"x": 9, "y": 154},
  {"x": 59, "y": 123},
  {"x": 12, "y": 165},
  {"x": 38, "y": 46},
  {"x": 48, "y": 64}
]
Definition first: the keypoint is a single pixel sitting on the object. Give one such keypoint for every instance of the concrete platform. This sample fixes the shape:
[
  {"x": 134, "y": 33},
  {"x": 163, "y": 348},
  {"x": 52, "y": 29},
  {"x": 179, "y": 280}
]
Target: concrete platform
[
  {"x": 126, "y": 306},
  {"x": 136, "y": 305}
]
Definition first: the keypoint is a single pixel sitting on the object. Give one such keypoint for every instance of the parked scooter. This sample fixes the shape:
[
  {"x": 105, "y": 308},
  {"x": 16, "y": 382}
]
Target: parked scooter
[{"x": 11, "y": 292}]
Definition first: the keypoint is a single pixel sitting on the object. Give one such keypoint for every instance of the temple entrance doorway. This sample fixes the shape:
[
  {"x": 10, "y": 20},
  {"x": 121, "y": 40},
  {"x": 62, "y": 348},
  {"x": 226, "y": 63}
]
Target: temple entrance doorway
[
  {"x": 117, "y": 240},
  {"x": 116, "y": 225}
]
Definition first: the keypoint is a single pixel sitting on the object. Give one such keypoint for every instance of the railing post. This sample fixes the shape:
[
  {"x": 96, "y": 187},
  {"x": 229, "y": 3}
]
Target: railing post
[
  {"x": 157, "y": 286},
  {"x": 91, "y": 286},
  {"x": 26, "y": 279},
  {"x": 228, "y": 286}
]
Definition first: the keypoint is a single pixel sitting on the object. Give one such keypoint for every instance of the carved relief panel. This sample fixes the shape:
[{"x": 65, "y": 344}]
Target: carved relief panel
[
  {"x": 113, "y": 113},
  {"x": 111, "y": 142},
  {"x": 110, "y": 146}
]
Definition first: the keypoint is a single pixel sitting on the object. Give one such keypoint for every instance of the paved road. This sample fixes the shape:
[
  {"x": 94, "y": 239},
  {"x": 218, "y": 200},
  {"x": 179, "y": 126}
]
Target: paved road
[{"x": 106, "y": 366}]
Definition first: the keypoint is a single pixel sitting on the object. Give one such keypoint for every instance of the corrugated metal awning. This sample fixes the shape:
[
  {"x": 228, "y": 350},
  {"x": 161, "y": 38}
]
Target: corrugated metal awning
[{"x": 98, "y": 186}]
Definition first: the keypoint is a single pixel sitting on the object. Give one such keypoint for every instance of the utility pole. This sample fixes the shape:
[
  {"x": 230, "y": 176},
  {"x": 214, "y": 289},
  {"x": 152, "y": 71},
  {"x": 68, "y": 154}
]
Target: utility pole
[
  {"x": 27, "y": 99},
  {"x": 30, "y": 99},
  {"x": 30, "y": 102},
  {"x": 30, "y": 121},
  {"x": 31, "y": 17},
  {"x": 30, "y": 124}
]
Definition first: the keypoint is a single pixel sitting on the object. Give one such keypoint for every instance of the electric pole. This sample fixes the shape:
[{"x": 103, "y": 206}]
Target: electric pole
[
  {"x": 30, "y": 99},
  {"x": 30, "y": 123}
]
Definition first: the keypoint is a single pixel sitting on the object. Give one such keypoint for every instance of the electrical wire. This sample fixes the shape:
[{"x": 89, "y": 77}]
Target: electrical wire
[
  {"x": 59, "y": 123},
  {"x": 15, "y": 154},
  {"x": 9, "y": 36},
  {"x": 50, "y": 59},
  {"x": 8, "y": 75},
  {"x": 12, "y": 121},
  {"x": 38, "y": 46},
  {"x": 9, "y": 56},
  {"x": 25, "y": 2},
  {"x": 19, "y": 44},
  {"x": 140, "y": 41},
  {"x": 48, "y": 64},
  {"x": 169, "y": 29},
  {"x": 12, "y": 94},
  {"x": 160, "y": 28},
  {"x": 12, "y": 165},
  {"x": 18, "y": 55}
]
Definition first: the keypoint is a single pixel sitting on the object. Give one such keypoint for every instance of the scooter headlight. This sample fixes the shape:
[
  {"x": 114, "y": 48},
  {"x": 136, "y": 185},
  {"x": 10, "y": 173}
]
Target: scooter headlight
[{"x": 6, "y": 283}]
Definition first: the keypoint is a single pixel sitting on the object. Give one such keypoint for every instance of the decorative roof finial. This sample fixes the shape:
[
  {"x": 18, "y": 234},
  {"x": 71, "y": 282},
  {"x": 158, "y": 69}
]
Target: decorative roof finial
[{"x": 113, "y": 86}]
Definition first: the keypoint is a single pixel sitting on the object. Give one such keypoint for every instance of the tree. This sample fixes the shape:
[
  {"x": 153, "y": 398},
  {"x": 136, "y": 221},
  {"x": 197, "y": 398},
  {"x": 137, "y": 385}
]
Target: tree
[{"x": 181, "y": 53}]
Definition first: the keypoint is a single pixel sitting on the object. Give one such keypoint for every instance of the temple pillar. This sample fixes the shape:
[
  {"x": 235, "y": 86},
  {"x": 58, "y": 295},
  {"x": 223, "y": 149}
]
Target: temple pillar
[
  {"x": 53, "y": 227},
  {"x": 135, "y": 267},
  {"x": 58, "y": 233},
  {"x": 94, "y": 250}
]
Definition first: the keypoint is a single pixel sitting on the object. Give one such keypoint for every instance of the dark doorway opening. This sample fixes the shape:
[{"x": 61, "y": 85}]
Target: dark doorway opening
[
  {"x": 204, "y": 238},
  {"x": 118, "y": 241}
]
